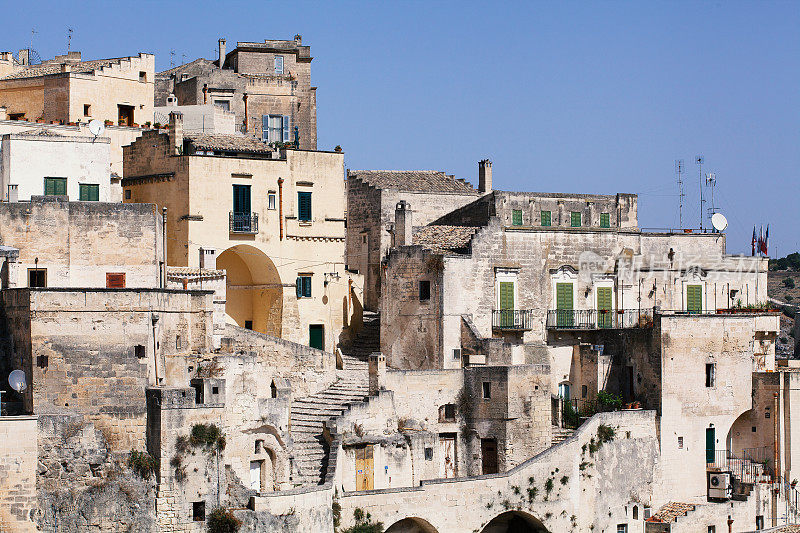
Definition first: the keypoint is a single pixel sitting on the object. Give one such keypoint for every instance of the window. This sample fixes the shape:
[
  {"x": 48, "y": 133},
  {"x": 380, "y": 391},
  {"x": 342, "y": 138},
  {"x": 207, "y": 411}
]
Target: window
[
  {"x": 429, "y": 454},
  {"x": 273, "y": 390},
  {"x": 456, "y": 354},
  {"x": 259, "y": 444},
  {"x": 55, "y": 186},
  {"x": 248, "y": 324},
  {"x": 37, "y": 277},
  {"x": 241, "y": 199},
  {"x": 197, "y": 385},
  {"x": 278, "y": 64},
  {"x": 712, "y": 529},
  {"x": 636, "y": 512},
  {"x": 694, "y": 298},
  {"x": 545, "y": 218},
  {"x": 303, "y": 287},
  {"x": 142, "y": 76},
  {"x": 680, "y": 443},
  {"x": 316, "y": 336},
  {"x": 304, "y": 206},
  {"x": 42, "y": 360},
  {"x": 87, "y": 110},
  {"x": 710, "y": 371},
  {"x": 622, "y": 528},
  {"x": 584, "y": 391},
  {"x": 138, "y": 351},
  {"x": 449, "y": 412},
  {"x": 223, "y": 104},
  {"x": 271, "y": 201},
  {"x": 516, "y": 217},
  {"x": 760, "y": 522},
  {"x": 487, "y": 390},
  {"x": 275, "y": 128},
  {"x": 115, "y": 280},
  {"x": 214, "y": 390},
  {"x": 198, "y": 511},
  {"x": 127, "y": 194},
  {"x": 424, "y": 290},
  {"x": 575, "y": 219},
  {"x": 125, "y": 115},
  {"x": 605, "y": 220},
  {"x": 88, "y": 192}
]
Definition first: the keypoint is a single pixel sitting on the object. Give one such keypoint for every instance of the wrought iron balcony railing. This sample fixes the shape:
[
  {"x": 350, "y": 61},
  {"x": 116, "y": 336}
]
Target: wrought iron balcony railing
[
  {"x": 599, "y": 319},
  {"x": 243, "y": 222},
  {"x": 512, "y": 319}
]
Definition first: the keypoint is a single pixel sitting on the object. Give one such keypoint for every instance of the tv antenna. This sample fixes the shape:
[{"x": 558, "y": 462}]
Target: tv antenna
[
  {"x": 172, "y": 58},
  {"x": 711, "y": 182},
  {"x": 681, "y": 195},
  {"x": 699, "y": 161},
  {"x": 69, "y": 39}
]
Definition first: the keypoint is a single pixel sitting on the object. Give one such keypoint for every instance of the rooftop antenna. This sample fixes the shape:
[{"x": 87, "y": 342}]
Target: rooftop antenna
[
  {"x": 172, "y": 58},
  {"x": 711, "y": 182},
  {"x": 69, "y": 40},
  {"x": 33, "y": 32},
  {"x": 699, "y": 161},
  {"x": 681, "y": 195},
  {"x": 183, "y": 58}
]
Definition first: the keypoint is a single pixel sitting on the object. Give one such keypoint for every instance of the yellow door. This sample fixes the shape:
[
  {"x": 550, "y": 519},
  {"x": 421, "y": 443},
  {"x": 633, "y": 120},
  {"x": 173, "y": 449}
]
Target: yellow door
[{"x": 364, "y": 468}]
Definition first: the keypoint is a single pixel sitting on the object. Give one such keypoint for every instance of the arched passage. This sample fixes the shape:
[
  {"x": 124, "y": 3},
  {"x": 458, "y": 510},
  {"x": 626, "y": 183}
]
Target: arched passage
[
  {"x": 411, "y": 525},
  {"x": 254, "y": 290},
  {"x": 514, "y": 522}
]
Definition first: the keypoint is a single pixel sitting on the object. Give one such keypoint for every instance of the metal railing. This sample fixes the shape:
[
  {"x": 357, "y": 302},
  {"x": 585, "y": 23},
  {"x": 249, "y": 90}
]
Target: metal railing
[
  {"x": 243, "y": 222},
  {"x": 742, "y": 469},
  {"x": 512, "y": 319},
  {"x": 599, "y": 319}
]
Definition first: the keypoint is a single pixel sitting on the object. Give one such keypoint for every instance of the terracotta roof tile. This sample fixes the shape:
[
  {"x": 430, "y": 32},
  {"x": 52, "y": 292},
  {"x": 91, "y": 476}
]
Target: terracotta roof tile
[
  {"x": 55, "y": 68},
  {"x": 228, "y": 142},
  {"x": 670, "y": 512},
  {"x": 413, "y": 180},
  {"x": 444, "y": 239}
]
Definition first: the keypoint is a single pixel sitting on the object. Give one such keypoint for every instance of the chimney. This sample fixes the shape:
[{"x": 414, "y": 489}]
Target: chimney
[
  {"x": 3, "y": 113},
  {"x": 208, "y": 258},
  {"x": 24, "y": 56},
  {"x": 66, "y": 67},
  {"x": 298, "y": 39},
  {"x": 402, "y": 224},
  {"x": 484, "y": 176},
  {"x": 221, "y": 52},
  {"x": 176, "y": 132}
]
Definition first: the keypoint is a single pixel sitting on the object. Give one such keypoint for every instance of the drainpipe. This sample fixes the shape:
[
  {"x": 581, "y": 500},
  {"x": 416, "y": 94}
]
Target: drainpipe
[
  {"x": 205, "y": 93},
  {"x": 164, "y": 248},
  {"x": 280, "y": 204},
  {"x": 775, "y": 451},
  {"x": 245, "y": 112}
]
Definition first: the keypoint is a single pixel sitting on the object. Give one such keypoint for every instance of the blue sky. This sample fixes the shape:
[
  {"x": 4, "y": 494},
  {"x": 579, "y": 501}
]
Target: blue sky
[{"x": 597, "y": 97}]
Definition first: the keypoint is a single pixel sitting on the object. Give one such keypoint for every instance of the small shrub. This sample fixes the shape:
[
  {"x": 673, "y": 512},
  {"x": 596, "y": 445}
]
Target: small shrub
[
  {"x": 182, "y": 444},
  {"x": 222, "y": 520},
  {"x": 564, "y": 480},
  {"x": 204, "y": 435},
  {"x": 364, "y": 523},
  {"x": 515, "y": 490},
  {"x": 532, "y": 491},
  {"x": 609, "y": 401},
  {"x": 337, "y": 514},
  {"x": 142, "y": 463},
  {"x": 605, "y": 433},
  {"x": 548, "y": 485},
  {"x": 788, "y": 283}
]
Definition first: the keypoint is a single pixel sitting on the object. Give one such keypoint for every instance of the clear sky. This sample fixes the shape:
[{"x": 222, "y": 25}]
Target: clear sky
[{"x": 597, "y": 97}]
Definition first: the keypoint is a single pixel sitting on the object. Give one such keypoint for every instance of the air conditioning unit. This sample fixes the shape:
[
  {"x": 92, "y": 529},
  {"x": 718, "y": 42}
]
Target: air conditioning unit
[{"x": 719, "y": 485}]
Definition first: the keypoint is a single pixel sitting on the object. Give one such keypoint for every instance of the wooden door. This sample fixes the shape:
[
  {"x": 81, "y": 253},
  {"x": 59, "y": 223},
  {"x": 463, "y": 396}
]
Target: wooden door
[
  {"x": 564, "y": 316},
  {"x": 364, "y": 468},
  {"x": 604, "y": 311},
  {"x": 316, "y": 336},
  {"x": 447, "y": 447},
  {"x": 255, "y": 475},
  {"x": 506, "y": 303},
  {"x": 711, "y": 439},
  {"x": 489, "y": 455},
  {"x": 694, "y": 298}
]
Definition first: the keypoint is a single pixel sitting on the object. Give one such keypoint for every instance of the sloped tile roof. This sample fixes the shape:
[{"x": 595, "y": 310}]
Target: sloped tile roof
[
  {"x": 228, "y": 142},
  {"x": 413, "y": 180},
  {"x": 55, "y": 68},
  {"x": 670, "y": 512},
  {"x": 444, "y": 239}
]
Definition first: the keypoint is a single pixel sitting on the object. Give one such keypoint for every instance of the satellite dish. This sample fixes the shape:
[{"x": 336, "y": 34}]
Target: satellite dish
[
  {"x": 96, "y": 127},
  {"x": 719, "y": 221},
  {"x": 17, "y": 380}
]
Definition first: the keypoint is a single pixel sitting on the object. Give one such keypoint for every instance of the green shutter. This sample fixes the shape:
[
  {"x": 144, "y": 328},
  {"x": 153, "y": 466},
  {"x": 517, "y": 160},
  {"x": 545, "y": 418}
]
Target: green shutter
[
  {"x": 564, "y": 316},
  {"x": 55, "y": 186},
  {"x": 89, "y": 192},
  {"x": 545, "y": 218},
  {"x": 710, "y": 444},
  {"x": 506, "y": 303},
  {"x": 605, "y": 220},
  {"x": 316, "y": 336},
  {"x": 694, "y": 298},
  {"x": 576, "y": 219},
  {"x": 604, "y": 311},
  {"x": 307, "y": 286},
  {"x": 304, "y": 206},
  {"x": 516, "y": 217}
]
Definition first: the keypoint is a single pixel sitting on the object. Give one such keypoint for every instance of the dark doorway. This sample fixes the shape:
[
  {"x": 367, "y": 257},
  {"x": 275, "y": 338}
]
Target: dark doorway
[
  {"x": 125, "y": 115},
  {"x": 711, "y": 439},
  {"x": 489, "y": 456},
  {"x": 514, "y": 522},
  {"x": 316, "y": 336}
]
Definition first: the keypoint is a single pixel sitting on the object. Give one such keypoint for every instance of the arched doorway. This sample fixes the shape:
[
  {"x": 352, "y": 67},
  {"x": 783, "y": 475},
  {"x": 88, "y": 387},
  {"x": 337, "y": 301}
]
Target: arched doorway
[
  {"x": 254, "y": 290},
  {"x": 411, "y": 525},
  {"x": 514, "y": 522}
]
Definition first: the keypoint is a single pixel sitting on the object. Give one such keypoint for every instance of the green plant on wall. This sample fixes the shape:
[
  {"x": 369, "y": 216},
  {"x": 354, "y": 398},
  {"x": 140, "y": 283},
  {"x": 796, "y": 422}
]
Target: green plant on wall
[
  {"x": 222, "y": 520},
  {"x": 364, "y": 523}
]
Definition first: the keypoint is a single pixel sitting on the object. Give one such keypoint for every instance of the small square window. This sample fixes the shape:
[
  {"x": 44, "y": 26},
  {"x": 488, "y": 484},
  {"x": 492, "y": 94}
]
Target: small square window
[
  {"x": 710, "y": 374},
  {"x": 605, "y": 220},
  {"x": 271, "y": 201},
  {"x": 199, "y": 511},
  {"x": 248, "y": 324},
  {"x": 37, "y": 277},
  {"x": 450, "y": 411},
  {"x": 87, "y": 110},
  {"x": 545, "y": 218},
  {"x": 516, "y": 217},
  {"x": 456, "y": 354},
  {"x": 223, "y": 104},
  {"x": 680, "y": 443},
  {"x": 753, "y": 429},
  {"x": 429, "y": 454},
  {"x": 303, "y": 286},
  {"x": 424, "y": 290},
  {"x": 115, "y": 280},
  {"x": 88, "y": 192},
  {"x": 41, "y": 361},
  {"x": 622, "y": 528},
  {"x": 278, "y": 64},
  {"x": 712, "y": 529},
  {"x": 575, "y": 219},
  {"x": 487, "y": 390},
  {"x": 127, "y": 194},
  {"x": 142, "y": 76},
  {"x": 138, "y": 350}
]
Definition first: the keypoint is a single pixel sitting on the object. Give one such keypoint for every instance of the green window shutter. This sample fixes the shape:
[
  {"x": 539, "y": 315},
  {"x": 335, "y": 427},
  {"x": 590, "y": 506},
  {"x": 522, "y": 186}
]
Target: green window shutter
[
  {"x": 316, "y": 336},
  {"x": 307, "y": 286},
  {"x": 506, "y": 295},
  {"x": 516, "y": 217},
  {"x": 575, "y": 219},
  {"x": 55, "y": 186},
  {"x": 694, "y": 298},
  {"x": 545, "y": 218},
  {"x": 298, "y": 286},
  {"x": 605, "y": 220},
  {"x": 49, "y": 187},
  {"x": 61, "y": 186},
  {"x": 304, "y": 206},
  {"x": 604, "y": 310},
  {"x": 89, "y": 192},
  {"x": 564, "y": 316}
]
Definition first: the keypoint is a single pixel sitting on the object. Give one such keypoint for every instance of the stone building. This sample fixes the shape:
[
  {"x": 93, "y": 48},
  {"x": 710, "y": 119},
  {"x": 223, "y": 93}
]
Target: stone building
[
  {"x": 67, "y": 89},
  {"x": 274, "y": 218},
  {"x": 371, "y": 199},
  {"x": 267, "y": 85},
  {"x": 201, "y": 118},
  {"x": 42, "y": 162}
]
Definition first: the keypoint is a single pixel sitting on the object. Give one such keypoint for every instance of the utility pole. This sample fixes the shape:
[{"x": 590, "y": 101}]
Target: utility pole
[
  {"x": 679, "y": 172},
  {"x": 699, "y": 161}
]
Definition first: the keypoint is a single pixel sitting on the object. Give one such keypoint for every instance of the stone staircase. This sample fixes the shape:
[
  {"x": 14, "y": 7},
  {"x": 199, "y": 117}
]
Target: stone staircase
[
  {"x": 308, "y": 414},
  {"x": 561, "y": 434}
]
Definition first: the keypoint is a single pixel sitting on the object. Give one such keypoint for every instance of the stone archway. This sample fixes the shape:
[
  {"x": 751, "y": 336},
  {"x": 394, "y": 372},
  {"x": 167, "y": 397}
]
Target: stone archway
[
  {"x": 515, "y": 522},
  {"x": 411, "y": 525},
  {"x": 254, "y": 290}
]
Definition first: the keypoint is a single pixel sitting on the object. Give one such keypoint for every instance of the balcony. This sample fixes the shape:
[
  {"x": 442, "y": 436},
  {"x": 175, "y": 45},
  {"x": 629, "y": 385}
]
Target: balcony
[
  {"x": 512, "y": 319},
  {"x": 243, "y": 223},
  {"x": 587, "y": 319}
]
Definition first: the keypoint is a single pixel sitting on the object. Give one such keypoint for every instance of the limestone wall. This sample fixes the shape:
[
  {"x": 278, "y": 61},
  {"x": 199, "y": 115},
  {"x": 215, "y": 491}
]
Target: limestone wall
[{"x": 18, "y": 463}]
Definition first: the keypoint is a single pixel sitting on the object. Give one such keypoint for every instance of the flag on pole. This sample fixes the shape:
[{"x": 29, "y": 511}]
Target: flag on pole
[
  {"x": 765, "y": 243},
  {"x": 753, "y": 243}
]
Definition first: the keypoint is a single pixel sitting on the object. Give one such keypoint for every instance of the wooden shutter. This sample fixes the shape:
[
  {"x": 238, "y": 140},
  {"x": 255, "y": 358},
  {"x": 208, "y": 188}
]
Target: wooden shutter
[
  {"x": 506, "y": 295},
  {"x": 576, "y": 219},
  {"x": 306, "y": 286},
  {"x": 304, "y": 206},
  {"x": 299, "y": 286},
  {"x": 286, "y": 128},
  {"x": 564, "y": 304},
  {"x": 516, "y": 217},
  {"x": 545, "y": 218},
  {"x": 115, "y": 280},
  {"x": 694, "y": 298},
  {"x": 49, "y": 187},
  {"x": 265, "y": 128},
  {"x": 604, "y": 309},
  {"x": 605, "y": 220}
]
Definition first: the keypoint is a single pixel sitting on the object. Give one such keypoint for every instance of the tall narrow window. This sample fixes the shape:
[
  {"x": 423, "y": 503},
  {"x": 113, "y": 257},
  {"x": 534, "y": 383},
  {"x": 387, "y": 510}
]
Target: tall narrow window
[
  {"x": 605, "y": 220},
  {"x": 278, "y": 64},
  {"x": 710, "y": 374},
  {"x": 271, "y": 201},
  {"x": 275, "y": 128},
  {"x": 241, "y": 219},
  {"x": 575, "y": 219},
  {"x": 303, "y": 286},
  {"x": 89, "y": 192},
  {"x": 694, "y": 298},
  {"x": 545, "y": 218},
  {"x": 304, "y": 206},
  {"x": 55, "y": 186},
  {"x": 424, "y": 290},
  {"x": 487, "y": 390},
  {"x": 516, "y": 217}
]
